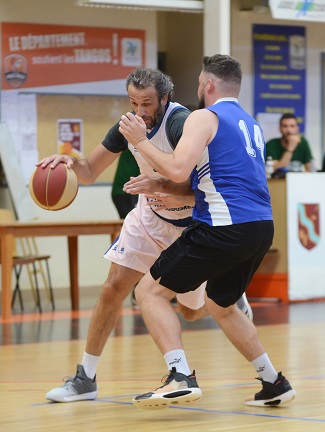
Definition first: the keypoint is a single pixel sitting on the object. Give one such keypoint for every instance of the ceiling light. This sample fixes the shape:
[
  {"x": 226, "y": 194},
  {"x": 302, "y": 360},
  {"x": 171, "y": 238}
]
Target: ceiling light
[{"x": 195, "y": 6}]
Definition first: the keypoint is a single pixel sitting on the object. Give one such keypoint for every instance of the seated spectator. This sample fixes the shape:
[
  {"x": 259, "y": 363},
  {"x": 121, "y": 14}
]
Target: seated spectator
[{"x": 291, "y": 152}]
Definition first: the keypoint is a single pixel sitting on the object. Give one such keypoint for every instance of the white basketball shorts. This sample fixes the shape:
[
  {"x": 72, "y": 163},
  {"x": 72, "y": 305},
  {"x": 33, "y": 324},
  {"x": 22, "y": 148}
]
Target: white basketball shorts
[{"x": 143, "y": 237}]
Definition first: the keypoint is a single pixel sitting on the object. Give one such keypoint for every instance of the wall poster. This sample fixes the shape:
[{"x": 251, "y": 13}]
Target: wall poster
[
  {"x": 70, "y": 137},
  {"x": 280, "y": 71}
]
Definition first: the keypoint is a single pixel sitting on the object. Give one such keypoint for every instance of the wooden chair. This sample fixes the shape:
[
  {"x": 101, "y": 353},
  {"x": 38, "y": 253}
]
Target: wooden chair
[{"x": 34, "y": 264}]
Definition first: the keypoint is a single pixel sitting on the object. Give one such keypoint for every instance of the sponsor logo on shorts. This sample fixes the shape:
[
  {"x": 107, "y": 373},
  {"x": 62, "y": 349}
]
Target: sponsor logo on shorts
[{"x": 116, "y": 248}]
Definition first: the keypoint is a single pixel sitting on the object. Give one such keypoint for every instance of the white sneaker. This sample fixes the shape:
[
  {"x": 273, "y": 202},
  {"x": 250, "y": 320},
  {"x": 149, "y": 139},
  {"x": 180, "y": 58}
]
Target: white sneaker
[
  {"x": 76, "y": 388},
  {"x": 177, "y": 389},
  {"x": 244, "y": 306}
]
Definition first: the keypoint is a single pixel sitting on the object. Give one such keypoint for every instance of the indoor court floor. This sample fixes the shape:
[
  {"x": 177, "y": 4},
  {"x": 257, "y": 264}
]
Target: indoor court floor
[{"x": 38, "y": 350}]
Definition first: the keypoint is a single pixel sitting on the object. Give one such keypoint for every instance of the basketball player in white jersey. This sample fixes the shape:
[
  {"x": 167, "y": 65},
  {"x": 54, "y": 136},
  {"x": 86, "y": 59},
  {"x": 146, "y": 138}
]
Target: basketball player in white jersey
[{"x": 147, "y": 230}]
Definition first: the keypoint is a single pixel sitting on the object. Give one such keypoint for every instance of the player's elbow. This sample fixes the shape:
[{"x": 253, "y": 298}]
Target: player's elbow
[
  {"x": 179, "y": 175},
  {"x": 86, "y": 180}
]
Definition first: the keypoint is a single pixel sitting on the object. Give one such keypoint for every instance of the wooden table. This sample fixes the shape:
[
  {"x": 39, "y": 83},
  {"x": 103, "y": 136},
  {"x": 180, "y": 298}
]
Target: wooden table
[{"x": 71, "y": 230}]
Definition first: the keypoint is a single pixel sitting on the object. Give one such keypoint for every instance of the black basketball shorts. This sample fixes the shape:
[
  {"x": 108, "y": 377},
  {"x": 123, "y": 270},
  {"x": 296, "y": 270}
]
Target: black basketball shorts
[{"x": 225, "y": 256}]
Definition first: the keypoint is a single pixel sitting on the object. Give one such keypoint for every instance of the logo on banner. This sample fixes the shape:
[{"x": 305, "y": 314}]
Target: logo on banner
[
  {"x": 308, "y": 225},
  {"x": 15, "y": 69},
  {"x": 131, "y": 52}
]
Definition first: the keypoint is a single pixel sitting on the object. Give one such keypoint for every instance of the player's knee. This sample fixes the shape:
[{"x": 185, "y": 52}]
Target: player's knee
[
  {"x": 192, "y": 314},
  {"x": 114, "y": 291},
  {"x": 221, "y": 313},
  {"x": 141, "y": 292},
  {"x": 189, "y": 315},
  {"x": 149, "y": 290}
]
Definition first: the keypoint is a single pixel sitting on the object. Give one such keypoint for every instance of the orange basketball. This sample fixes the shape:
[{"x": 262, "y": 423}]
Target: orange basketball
[{"x": 53, "y": 188}]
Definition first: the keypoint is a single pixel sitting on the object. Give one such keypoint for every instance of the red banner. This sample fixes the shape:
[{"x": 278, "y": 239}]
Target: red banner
[{"x": 37, "y": 55}]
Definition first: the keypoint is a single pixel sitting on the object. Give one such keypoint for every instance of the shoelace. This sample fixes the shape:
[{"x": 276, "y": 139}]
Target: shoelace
[
  {"x": 68, "y": 378},
  {"x": 164, "y": 379}
]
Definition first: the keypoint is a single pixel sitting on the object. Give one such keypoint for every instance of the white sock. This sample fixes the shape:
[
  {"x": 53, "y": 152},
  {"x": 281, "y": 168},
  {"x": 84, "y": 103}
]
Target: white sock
[
  {"x": 90, "y": 363},
  {"x": 264, "y": 368},
  {"x": 177, "y": 359}
]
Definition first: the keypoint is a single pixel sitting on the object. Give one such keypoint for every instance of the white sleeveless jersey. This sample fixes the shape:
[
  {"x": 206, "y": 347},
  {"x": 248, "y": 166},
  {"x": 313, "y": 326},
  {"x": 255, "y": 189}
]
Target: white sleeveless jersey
[{"x": 158, "y": 137}]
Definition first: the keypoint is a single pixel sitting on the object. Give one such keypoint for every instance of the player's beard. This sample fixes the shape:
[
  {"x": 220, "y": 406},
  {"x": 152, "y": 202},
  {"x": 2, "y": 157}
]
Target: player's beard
[
  {"x": 201, "y": 102},
  {"x": 152, "y": 121}
]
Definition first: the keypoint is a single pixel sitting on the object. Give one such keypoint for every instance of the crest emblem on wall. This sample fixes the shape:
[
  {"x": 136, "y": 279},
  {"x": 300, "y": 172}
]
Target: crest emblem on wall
[
  {"x": 15, "y": 69},
  {"x": 308, "y": 225}
]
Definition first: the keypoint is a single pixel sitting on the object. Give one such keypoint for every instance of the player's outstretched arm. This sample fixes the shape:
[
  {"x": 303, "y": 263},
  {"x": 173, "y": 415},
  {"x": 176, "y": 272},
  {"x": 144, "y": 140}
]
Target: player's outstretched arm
[{"x": 87, "y": 169}]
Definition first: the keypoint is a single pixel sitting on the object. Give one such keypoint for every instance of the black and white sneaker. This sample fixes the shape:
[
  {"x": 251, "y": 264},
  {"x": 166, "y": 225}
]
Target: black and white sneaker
[
  {"x": 76, "y": 388},
  {"x": 178, "y": 389},
  {"x": 271, "y": 395}
]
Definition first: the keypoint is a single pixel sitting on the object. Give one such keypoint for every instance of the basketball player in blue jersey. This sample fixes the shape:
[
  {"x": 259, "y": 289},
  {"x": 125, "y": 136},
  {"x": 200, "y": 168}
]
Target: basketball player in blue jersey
[
  {"x": 147, "y": 230},
  {"x": 222, "y": 151}
]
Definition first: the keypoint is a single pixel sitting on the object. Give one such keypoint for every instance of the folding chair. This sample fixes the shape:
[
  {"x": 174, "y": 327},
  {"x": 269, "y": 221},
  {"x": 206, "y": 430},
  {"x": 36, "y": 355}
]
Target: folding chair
[{"x": 34, "y": 264}]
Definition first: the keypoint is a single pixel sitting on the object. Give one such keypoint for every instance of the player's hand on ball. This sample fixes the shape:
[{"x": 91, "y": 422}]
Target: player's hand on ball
[{"x": 55, "y": 159}]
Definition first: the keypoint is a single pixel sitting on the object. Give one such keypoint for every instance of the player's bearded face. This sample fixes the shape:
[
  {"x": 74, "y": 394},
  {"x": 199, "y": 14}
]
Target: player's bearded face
[
  {"x": 153, "y": 120},
  {"x": 147, "y": 105}
]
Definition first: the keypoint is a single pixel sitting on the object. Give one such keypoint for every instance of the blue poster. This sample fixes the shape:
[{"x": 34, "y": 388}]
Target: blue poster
[{"x": 280, "y": 70}]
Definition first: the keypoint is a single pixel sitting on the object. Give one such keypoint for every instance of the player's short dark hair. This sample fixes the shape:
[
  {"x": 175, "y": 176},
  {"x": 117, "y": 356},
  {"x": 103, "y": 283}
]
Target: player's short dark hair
[
  {"x": 224, "y": 67},
  {"x": 143, "y": 78}
]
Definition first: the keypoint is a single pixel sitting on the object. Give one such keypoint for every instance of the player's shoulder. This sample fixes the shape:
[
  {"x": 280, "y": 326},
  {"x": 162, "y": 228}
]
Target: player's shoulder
[
  {"x": 177, "y": 118},
  {"x": 179, "y": 114},
  {"x": 200, "y": 115}
]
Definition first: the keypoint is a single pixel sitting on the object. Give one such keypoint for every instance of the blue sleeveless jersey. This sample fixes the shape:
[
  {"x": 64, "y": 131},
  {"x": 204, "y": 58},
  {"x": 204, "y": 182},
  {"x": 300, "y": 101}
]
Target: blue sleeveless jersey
[{"x": 229, "y": 181}]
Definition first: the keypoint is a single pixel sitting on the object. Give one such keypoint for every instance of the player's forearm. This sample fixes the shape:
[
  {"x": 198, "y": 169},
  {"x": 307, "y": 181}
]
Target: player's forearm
[
  {"x": 168, "y": 186},
  {"x": 164, "y": 163},
  {"x": 84, "y": 174}
]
